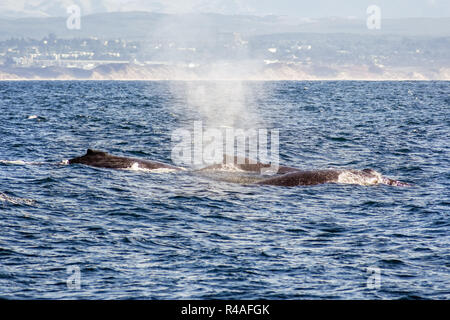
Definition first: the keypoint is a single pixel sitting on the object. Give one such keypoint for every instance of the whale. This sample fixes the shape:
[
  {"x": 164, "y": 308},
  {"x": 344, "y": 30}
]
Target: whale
[
  {"x": 249, "y": 165},
  {"x": 285, "y": 176},
  {"x": 315, "y": 177},
  {"x": 290, "y": 176},
  {"x": 101, "y": 159}
]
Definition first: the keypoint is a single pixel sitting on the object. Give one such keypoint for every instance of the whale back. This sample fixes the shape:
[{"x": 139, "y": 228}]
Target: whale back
[
  {"x": 101, "y": 159},
  {"x": 303, "y": 178},
  {"x": 246, "y": 164},
  {"x": 361, "y": 177}
]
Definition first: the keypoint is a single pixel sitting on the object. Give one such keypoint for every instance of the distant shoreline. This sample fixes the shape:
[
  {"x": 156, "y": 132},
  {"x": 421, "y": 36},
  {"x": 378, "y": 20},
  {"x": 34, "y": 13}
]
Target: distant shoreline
[
  {"x": 279, "y": 71},
  {"x": 218, "y": 80}
]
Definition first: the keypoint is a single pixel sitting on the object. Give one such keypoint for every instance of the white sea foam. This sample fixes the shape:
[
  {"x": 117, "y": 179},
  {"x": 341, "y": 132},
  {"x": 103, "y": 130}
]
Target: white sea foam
[
  {"x": 356, "y": 177},
  {"x": 30, "y": 163},
  {"x": 15, "y": 200},
  {"x": 135, "y": 167},
  {"x": 18, "y": 162},
  {"x": 160, "y": 170}
]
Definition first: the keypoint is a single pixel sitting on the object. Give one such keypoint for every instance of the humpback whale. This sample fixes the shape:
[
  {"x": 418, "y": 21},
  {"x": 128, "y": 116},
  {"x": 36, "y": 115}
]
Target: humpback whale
[
  {"x": 285, "y": 176},
  {"x": 289, "y": 176},
  {"x": 101, "y": 159},
  {"x": 313, "y": 177},
  {"x": 245, "y": 164}
]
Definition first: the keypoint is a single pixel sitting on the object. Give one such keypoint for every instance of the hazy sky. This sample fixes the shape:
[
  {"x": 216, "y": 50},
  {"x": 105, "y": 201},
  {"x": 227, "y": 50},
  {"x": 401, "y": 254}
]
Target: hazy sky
[
  {"x": 357, "y": 8},
  {"x": 296, "y": 8}
]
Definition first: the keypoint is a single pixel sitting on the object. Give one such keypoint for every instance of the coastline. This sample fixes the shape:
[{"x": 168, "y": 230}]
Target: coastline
[{"x": 227, "y": 71}]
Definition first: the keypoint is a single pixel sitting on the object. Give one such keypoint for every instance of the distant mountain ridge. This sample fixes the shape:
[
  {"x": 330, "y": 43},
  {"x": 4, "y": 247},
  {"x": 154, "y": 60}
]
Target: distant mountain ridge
[
  {"x": 303, "y": 8},
  {"x": 145, "y": 25}
]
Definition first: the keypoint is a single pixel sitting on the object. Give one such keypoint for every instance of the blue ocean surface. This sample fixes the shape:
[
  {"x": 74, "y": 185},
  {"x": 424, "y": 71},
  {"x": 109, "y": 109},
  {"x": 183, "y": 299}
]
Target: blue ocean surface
[{"x": 78, "y": 232}]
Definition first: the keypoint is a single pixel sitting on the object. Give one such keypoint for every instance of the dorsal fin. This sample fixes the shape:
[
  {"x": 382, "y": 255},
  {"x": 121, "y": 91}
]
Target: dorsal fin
[{"x": 92, "y": 152}]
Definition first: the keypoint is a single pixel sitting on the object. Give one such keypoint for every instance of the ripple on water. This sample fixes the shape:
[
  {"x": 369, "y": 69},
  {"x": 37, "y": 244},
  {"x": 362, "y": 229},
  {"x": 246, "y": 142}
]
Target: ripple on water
[{"x": 190, "y": 236}]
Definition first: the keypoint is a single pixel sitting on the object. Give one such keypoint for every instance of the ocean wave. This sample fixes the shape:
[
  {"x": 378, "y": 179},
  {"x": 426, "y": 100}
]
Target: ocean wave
[
  {"x": 19, "y": 162},
  {"x": 15, "y": 200}
]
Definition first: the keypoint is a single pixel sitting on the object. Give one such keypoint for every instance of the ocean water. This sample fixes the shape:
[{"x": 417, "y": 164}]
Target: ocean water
[{"x": 72, "y": 231}]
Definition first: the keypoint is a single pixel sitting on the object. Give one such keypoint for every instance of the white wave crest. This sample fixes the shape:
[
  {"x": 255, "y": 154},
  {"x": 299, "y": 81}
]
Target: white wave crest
[
  {"x": 15, "y": 200},
  {"x": 19, "y": 162}
]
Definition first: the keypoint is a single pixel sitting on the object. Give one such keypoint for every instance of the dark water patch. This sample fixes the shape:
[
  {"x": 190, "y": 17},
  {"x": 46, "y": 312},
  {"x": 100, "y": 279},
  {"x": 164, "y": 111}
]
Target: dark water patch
[{"x": 391, "y": 262}]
